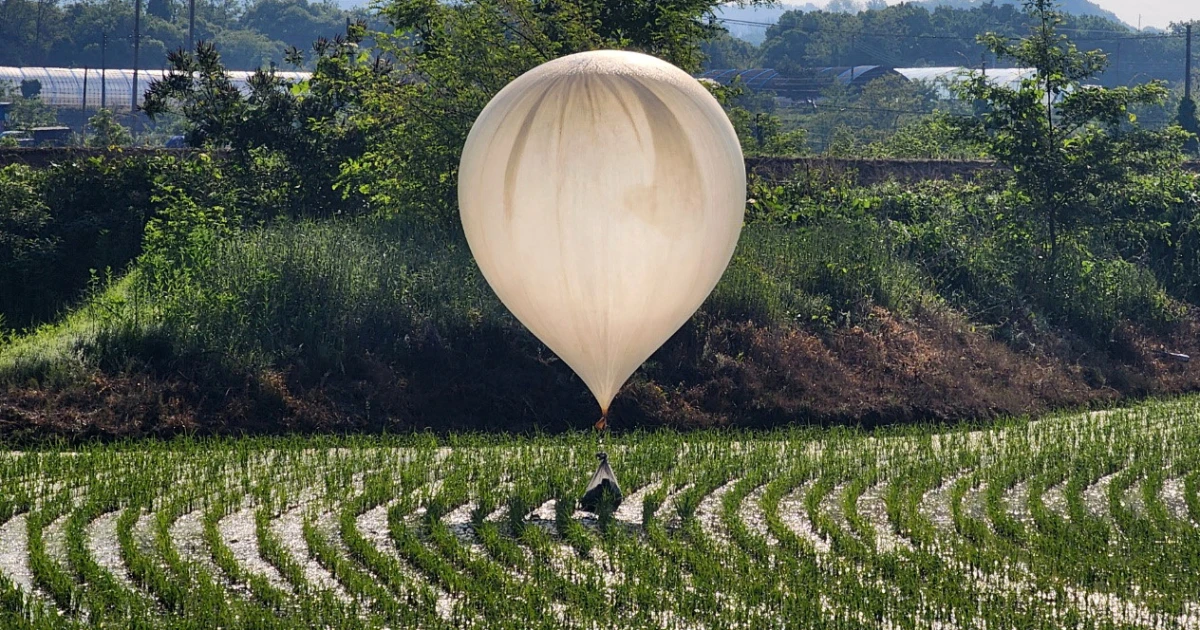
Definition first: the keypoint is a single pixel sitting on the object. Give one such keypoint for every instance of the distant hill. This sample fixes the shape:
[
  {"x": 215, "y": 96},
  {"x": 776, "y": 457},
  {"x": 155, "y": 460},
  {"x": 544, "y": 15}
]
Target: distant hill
[{"x": 1074, "y": 7}]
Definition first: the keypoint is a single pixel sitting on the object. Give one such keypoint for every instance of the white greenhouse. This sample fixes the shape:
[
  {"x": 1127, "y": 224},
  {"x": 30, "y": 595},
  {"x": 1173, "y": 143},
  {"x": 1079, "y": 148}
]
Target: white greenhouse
[
  {"x": 943, "y": 77},
  {"x": 64, "y": 87}
]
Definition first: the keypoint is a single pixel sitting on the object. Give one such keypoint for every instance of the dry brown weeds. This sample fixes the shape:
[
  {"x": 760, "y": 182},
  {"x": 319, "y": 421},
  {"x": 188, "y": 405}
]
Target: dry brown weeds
[{"x": 933, "y": 367}]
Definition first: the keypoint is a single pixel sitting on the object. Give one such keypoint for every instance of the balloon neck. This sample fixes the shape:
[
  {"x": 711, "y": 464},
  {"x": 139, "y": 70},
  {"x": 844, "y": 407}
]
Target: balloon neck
[{"x": 602, "y": 423}]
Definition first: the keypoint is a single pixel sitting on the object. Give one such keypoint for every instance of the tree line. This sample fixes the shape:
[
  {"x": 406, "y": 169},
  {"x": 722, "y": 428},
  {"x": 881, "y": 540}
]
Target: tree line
[
  {"x": 914, "y": 35},
  {"x": 250, "y": 33}
]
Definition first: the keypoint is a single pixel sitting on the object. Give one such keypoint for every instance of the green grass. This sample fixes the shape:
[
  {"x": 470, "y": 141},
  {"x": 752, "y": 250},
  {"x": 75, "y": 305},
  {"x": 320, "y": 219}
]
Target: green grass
[
  {"x": 376, "y": 509},
  {"x": 323, "y": 294},
  {"x": 60, "y": 351}
]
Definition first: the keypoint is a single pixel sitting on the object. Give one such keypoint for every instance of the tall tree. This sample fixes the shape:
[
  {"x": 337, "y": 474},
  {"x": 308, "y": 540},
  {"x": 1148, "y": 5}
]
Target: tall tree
[
  {"x": 1190, "y": 123},
  {"x": 1070, "y": 145},
  {"x": 458, "y": 55}
]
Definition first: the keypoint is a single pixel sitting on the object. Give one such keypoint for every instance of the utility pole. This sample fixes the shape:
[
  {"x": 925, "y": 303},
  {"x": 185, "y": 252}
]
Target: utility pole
[
  {"x": 83, "y": 109},
  {"x": 1117, "y": 65},
  {"x": 103, "y": 70},
  {"x": 137, "y": 43},
  {"x": 191, "y": 25},
  {"x": 37, "y": 33},
  {"x": 1187, "y": 65}
]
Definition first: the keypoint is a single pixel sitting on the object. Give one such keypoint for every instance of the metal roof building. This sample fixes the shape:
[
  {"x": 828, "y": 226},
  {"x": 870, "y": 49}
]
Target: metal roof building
[{"x": 64, "y": 87}]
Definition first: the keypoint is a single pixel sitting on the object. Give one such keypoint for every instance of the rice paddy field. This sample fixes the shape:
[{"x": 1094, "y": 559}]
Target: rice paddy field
[{"x": 1083, "y": 520}]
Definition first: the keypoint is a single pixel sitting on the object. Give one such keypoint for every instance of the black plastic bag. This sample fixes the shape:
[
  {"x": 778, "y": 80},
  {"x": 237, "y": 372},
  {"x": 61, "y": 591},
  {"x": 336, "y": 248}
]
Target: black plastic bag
[{"x": 604, "y": 481}]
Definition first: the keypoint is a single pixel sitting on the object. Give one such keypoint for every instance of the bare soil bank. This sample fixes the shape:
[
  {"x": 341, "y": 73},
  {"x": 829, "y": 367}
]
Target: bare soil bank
[{"x": 930, "y": 368}]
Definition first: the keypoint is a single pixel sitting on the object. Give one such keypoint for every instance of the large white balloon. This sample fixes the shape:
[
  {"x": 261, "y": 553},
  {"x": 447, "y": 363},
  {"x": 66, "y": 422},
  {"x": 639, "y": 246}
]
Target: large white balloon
[{"x": 602, "y": 195}]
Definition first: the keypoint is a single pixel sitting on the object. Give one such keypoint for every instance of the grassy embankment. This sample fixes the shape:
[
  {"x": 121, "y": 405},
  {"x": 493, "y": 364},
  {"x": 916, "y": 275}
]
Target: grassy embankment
[{"x": 843, "y": 304}]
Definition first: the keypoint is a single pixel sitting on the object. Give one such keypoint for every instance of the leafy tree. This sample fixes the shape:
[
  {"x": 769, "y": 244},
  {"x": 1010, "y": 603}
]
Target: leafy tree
[
  {"x": 726, "y": 51},
  {"x": 760, "y": 131},
  {"x": 1070, "y": 146},
  {"x": 249, "y": 49},
  {"x": 293, "y": 22},
  {"x": 458, "y": 55},
  {"x": 31, "y": 88},
  {"x": 285, "y": 136},
  {"x": 1190, "y": 123},
  {"x": 932, "y": 137},
  {"x": 161, "y": 9},
  {"x": 26, "y": 113},
  {"x": 106, "y": 131}
]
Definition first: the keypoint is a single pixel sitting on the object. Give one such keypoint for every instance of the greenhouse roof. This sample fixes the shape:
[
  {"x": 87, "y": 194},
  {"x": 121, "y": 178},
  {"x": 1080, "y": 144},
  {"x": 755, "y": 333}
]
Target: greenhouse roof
[{"x": 64, "y": 87}]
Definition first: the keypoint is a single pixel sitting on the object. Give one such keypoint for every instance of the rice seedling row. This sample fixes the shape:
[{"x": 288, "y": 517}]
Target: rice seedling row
[{"x": 1077, "y": 520}]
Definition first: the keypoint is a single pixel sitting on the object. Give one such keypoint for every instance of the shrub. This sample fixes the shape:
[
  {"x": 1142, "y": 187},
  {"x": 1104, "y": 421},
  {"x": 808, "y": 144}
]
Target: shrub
[
  {"x": 106, "y": 131},
  {"x": 318, "y": 293},
  {"x": 28, "y": 250},
  {"x": 832, "y": 270},
  {"x": 72, "y": 220}
]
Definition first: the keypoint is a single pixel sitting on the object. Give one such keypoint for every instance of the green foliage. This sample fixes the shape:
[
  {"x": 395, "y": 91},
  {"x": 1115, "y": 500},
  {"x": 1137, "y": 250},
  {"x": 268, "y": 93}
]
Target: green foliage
[
  {"x": 296, "y": 136},
  {"x": 465, "y": 52},
  {"x": 1077, "y": 233},
  {"x": 830, "y": 272},
  {"x": 179, "y": 239},
  {"x": 26, "y": 111},
  {"x": 1069, "y": 145},
  {"x": 27, "y": 251},
  {"x": 1189, "y": 122},
  {"x": 932, "y": 137},
  {"x": 31, "y": 88},
  {"x": 66, "y": 222},
  {"x": 915, "y": 34},
  {"x": 725, "y": 51},
  {"x": 106, "y": 131},
  {"x": 899, "y": 245},
  {"x": 321, "y": 294}
]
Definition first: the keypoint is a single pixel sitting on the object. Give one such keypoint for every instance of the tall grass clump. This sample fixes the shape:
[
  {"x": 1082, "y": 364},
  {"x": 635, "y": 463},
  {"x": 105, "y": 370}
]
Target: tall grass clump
[
  {"x": 63, "y": 351},
  {"x": 320, "y": 292},
  {"x": 819, "y": 273}
]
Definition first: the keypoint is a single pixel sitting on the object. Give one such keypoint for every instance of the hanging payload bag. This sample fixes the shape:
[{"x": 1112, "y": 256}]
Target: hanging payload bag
[{"x": 603, "y": 482}]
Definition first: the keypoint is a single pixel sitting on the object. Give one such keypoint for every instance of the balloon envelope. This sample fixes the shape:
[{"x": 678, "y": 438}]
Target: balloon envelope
[{"x": 602, "y": 195}]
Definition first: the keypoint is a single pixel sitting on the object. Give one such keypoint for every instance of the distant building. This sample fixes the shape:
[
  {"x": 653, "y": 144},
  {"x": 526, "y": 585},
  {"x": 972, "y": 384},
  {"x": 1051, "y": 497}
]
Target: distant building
[{"x": 807, "y": 84}]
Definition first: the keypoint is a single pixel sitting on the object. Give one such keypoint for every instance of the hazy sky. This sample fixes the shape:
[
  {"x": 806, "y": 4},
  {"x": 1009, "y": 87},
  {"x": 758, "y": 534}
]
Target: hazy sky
[{"x": 1158, "y": 13}]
